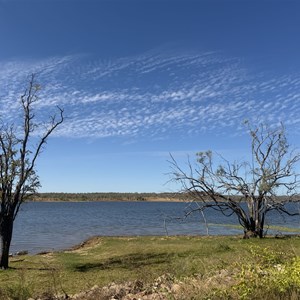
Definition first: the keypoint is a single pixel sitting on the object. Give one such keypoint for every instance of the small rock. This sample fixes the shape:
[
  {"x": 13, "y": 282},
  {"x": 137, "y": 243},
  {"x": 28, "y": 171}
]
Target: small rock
[
  {"x": 175, "y": 289},
  {"x": 95, "y": 287}
]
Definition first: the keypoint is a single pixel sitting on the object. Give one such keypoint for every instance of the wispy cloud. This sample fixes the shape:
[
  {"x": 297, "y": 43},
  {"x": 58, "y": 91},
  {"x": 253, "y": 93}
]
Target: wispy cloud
[{"x": 153, "y": 95}]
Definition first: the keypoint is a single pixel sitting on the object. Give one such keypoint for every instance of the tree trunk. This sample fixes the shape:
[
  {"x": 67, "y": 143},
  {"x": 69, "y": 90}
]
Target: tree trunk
[
  {"x": 6, "y": 230},
  {"x": 261, "y": 225},
  {"x": 255, "y": 228}
]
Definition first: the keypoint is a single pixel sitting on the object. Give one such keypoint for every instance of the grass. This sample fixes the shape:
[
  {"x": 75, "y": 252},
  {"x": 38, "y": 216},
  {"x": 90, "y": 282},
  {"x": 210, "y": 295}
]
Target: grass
[
  {"x": 101, "y": 261},
  {"x": 271, "y": 227}
]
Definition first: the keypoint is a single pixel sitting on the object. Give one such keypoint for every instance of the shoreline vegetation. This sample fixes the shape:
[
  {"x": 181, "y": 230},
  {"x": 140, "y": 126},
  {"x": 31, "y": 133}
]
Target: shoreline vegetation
[
  {"x": 123, "y": 197},
  {"x": 99, "y": 197},
  {"x": 177, "y": 267}
]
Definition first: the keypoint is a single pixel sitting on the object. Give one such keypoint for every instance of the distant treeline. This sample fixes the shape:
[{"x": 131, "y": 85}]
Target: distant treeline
[
  {"x": 107, "y": 197},
  {"x": 52, "y": 197}
]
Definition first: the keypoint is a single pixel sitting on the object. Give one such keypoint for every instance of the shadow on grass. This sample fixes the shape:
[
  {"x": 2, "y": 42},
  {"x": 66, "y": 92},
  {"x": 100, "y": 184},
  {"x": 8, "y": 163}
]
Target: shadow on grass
[{"x": 129, "y": 262}]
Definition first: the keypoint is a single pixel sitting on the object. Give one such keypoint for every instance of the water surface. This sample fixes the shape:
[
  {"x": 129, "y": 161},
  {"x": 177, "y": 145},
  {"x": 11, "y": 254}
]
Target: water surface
[{"x": 46, "y": 226}]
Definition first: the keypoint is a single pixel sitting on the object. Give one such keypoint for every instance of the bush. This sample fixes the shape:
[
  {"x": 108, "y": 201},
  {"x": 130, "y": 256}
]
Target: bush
[{"x": 268, "y": 274}]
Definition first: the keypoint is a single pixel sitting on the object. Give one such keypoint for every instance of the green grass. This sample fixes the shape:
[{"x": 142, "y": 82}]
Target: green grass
[
  {"x": 112, "y": 259},
  {"x": 271, "y": 227}
]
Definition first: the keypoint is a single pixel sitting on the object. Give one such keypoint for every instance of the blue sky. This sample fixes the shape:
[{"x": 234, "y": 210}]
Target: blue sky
[{"x": 141, "y": 79}]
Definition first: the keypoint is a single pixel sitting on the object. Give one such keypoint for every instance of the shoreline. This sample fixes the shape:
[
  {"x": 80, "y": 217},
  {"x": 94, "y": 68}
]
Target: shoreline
[
  {"x": 93, "y": 201},
  {"x": 93, "y": 240},
  {"x": 108, "y": 197},
  {"x": 120, "y": 197}
]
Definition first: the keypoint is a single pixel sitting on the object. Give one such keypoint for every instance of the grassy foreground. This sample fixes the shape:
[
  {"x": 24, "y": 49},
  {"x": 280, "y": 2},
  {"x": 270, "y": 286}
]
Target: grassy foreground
[{"x": 198, "y": 267}]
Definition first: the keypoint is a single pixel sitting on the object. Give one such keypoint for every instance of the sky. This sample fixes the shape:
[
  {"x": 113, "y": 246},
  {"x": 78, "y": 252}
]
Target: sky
[{"x": 142, "y": 79}]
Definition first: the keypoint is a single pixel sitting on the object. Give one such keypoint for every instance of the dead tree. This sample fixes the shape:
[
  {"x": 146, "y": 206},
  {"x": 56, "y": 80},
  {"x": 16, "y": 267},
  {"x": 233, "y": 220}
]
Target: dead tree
[
  {"x": 18, "y": 155},
  {"x": 248, "y": 189}
]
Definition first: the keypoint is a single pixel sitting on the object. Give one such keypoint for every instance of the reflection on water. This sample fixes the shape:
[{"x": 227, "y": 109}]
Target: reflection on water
[{"x": 54, "y": 226}]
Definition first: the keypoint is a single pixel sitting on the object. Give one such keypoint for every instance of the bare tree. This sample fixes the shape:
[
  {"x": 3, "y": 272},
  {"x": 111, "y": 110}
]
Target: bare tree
[
  {"x": 18, "y": 155},
  {"x": 247, "y": 189}
]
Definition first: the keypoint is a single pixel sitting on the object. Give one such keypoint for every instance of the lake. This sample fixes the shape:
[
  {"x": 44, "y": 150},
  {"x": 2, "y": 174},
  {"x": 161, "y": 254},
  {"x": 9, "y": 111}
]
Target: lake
[{"x": 46, "y": 226}]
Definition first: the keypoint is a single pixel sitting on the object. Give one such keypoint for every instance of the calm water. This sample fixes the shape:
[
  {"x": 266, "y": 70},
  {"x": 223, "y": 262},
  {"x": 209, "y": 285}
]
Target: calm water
[{"x": 55, "y": 226}]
